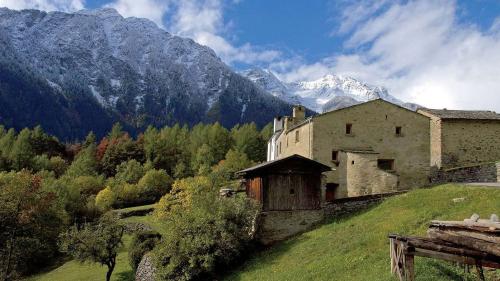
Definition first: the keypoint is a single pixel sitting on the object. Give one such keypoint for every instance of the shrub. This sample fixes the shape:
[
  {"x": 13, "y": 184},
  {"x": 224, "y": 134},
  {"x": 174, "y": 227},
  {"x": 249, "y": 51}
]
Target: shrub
[
  {"x": 88, "y": 184},
  {"x": 182, "y": 193},
  {"x": 142, "y": 243},
  {"x": 30, "y": 221},
  {"x": 211, "y": 235},
  {"x": 105, "y": 199},
  {"x": 130, "y": 171},
  {"x": 154, "y": 184}
]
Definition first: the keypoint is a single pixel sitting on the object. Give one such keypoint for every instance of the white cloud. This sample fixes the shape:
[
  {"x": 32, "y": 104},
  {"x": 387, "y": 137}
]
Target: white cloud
[
  {"x": 203, "y": 21},
  {"x": 150, "y": 9},
  {"x": 46, "y": 5},
  {"x": 421, "y": 53}
]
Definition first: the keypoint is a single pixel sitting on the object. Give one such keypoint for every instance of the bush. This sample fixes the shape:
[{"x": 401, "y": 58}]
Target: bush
[
  {"x": 208, "y": 237},
  {"x": 154, "y": 184},
  {"x": 30, "y": 221},
  {"x": 89, "y": 185},
  {"x": 105, "y": 199},
  {"x": 142, "y": 243},
  {"x": 129, "y": 172},
  {"x": 182, "y": 193}
]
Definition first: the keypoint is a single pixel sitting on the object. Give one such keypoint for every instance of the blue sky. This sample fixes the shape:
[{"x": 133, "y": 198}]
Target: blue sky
[{"x": 439, "y": 53}]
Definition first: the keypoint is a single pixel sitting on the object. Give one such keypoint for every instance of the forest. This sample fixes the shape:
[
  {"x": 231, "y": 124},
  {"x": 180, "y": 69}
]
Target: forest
[{"x": 57, "y": 198}]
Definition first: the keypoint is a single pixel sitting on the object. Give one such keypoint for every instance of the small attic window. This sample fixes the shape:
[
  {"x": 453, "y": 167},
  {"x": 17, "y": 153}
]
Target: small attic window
[
  {"x": 399, "y": 131},
  {"x": 335, "y": 155},
  {"x": 348, "y": 129},
  {"x": 297, "y": 136}
]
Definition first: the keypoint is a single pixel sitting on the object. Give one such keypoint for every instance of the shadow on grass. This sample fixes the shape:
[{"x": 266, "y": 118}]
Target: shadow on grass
[{"x": 126, "y": 276}]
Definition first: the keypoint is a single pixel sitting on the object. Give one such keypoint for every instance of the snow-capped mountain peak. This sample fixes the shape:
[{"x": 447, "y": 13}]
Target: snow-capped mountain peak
[{"x": 324, "y": 94}]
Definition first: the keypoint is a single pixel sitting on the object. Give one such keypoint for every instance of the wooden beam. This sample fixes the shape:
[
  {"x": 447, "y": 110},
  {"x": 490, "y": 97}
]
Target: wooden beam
[{"x": 454, "y": 258}]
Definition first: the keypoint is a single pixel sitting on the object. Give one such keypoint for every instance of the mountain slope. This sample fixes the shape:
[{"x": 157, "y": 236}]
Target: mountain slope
[
  {"x": 357, "y": 247},
  {"x": 325, "y": 94},
  {"x": 132, "y": 70}
]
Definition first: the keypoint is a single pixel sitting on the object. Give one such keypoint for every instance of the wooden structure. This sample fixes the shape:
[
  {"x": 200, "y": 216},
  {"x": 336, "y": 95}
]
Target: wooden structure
[
  {"x": 290, "y": 183},
  {"x": 469, "y": 243}
]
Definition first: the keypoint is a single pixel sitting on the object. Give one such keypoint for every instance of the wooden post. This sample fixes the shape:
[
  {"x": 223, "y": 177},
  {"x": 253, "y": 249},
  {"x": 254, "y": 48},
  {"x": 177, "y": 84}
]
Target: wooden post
[
  {"x": 409, "y": 267},
  {"x": 479, "y": 269}
]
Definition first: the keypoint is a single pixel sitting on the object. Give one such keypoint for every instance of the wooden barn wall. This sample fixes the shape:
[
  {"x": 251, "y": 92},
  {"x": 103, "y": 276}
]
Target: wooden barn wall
[
  {"x": 306, "y": 192},
  {"x": 254, "y": 188}
]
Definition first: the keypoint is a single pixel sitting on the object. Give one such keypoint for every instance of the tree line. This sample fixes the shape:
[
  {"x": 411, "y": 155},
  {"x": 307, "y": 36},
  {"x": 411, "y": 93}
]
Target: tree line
[{"x": 50, "y": 191}]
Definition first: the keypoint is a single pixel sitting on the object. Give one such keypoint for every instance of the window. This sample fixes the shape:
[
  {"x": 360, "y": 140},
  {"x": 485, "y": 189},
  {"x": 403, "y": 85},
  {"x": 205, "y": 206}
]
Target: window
[
  {"x": 352, "y": 162},
  {"x": 297, "y": 136},
  {"x": 330, "y": 191},
  {"x": 286, "y": 141},
  {"x": 280, "y": 148},
  {"x": 385, "y": 164},
  {"x": 348, "y": 129},
  {"x": 399, "y": 131},
  {"x": 292, "y": 191},
  {"x": 335, "y": 155}
]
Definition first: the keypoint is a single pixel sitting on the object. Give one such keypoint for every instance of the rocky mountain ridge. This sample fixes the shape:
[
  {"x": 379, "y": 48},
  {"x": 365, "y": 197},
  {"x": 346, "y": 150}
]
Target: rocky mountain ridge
[
  {"x": 125, "y": 69},
  {"x": 327, "y": 93}
]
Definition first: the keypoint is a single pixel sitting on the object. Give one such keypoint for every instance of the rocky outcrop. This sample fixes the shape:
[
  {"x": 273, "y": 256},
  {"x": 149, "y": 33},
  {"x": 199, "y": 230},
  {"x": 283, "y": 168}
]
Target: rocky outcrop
[{"x": 146, "y": 270}]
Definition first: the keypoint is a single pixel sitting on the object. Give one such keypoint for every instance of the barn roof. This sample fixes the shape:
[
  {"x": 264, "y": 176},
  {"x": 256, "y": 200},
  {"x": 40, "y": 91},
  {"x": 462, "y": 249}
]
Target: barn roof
[
  {"x": 311, "y": 164},
  {"x": 462, "y": 114}
]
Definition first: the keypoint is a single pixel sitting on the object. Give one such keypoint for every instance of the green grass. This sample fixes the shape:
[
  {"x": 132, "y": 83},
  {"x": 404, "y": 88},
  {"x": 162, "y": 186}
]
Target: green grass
[
  {"x": 160, "y": 227},
  {"x": 357, "y": 247},
  {"x": 75, "y": 271},
  {"x": 136, "y": 208}
]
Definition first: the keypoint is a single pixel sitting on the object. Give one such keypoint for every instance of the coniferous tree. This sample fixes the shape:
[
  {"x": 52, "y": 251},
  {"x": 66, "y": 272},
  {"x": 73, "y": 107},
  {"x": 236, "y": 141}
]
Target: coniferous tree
[
  {"x": 22, "y": 151},
  {"x": 85, "y": 163},
  {"x": 247, "y": 139}
]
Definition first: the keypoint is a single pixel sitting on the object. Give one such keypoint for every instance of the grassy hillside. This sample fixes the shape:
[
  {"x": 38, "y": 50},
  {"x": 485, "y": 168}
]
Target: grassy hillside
[{"x": 357, "y": 248}]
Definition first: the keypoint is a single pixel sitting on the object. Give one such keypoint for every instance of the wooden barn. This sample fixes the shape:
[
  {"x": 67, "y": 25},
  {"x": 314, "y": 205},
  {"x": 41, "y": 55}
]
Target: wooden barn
[{"x": 290, "y": 183}]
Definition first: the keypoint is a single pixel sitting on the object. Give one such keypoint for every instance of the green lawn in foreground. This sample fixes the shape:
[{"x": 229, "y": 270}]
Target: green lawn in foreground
[
  {"x": 357, "y": 248},
  {"x": 75, "y": 271}
]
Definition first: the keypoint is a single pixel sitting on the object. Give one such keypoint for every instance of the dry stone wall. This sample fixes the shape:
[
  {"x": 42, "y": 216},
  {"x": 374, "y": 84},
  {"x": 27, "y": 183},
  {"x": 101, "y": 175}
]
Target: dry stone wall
[
  {"x": 276, "y": 226},
  {"x": 145, "y": 271},
  {"x": 345, "y": 206},
  {"x": 489, "y": 172}
]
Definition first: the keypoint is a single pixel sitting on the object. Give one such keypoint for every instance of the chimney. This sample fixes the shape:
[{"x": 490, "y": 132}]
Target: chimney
[
  {"x": 299, "y": 113},
  {"x": 278, "y": 124},
  {"x": 287, "y": 122}
]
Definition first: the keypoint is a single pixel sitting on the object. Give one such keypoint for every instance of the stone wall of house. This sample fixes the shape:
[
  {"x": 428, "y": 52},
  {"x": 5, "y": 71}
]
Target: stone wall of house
[
  {"x": 363, "y": 176},
  {"x": 469, "y": 142},
  {"x": 345, "y": 206},
  {"x": 489, "y": 172},
  {"x": 291, "y": 145},
  {"x": 374, "y": 128},
  {"x": 145, "y": 271},
  {"x": 274, "y": 226}
]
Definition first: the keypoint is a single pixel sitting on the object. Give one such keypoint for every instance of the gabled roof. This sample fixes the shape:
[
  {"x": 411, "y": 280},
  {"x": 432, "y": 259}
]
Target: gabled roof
[
  {"x": 462, "y": 114},
  {"x": 311, "y": 118},
  {"x": 270, "y": 164}
]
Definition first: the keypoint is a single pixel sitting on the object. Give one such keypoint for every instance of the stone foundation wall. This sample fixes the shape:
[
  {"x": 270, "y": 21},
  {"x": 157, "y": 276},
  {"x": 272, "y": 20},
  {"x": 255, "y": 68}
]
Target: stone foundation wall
[
  {"x": 480, "y": 173},
  {"x": 274, "y": 226},
  {"x": 346, "y": 206}
]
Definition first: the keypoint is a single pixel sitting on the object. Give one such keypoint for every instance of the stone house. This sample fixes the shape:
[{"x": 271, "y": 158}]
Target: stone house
[
  {"x": 463, "y": 138},
  {"x": 374, "y": 147}
]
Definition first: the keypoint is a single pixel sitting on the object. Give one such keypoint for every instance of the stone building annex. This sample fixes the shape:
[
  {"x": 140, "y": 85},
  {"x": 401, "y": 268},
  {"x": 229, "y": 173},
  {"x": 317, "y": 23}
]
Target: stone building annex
[{"x": 379, "y": 147}]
